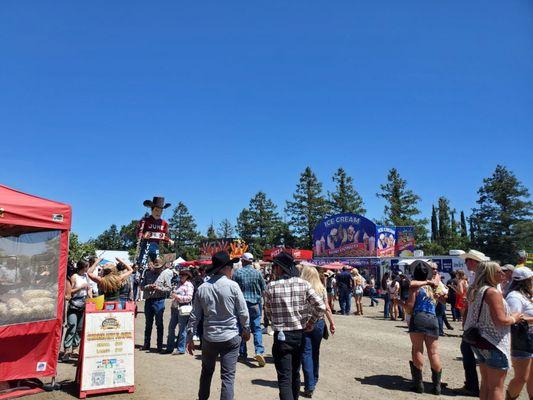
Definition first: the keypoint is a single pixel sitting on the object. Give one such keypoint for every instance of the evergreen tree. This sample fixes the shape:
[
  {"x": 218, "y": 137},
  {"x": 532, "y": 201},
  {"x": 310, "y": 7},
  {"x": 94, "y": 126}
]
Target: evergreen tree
[
  {"x": 225, "y": 229},
  {"x": 259, "y": 223},
  {"x": 345, "y": 199},
  {"x": 444, "y": 222},
  {"x": 245, "y": 227},
  {"x": 473, "y": 236},
  {"x": 183, "y": 230},
  {"x": 211, "y": 234},
  {"x": 434, "y": 225},
  {"x": 464, "y": 234},
  {"x": 308, "y": 208},
  {"x": 401, "y": 206},
  {"x": 109, "y": 239},
  {"x": 502, "y": 207},
  {"x": 453, "y": 223}
]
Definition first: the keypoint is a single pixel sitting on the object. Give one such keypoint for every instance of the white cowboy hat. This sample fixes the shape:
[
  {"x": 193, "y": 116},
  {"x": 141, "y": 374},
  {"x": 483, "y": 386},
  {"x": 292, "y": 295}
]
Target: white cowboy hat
[{"x": 475, "y": 255}]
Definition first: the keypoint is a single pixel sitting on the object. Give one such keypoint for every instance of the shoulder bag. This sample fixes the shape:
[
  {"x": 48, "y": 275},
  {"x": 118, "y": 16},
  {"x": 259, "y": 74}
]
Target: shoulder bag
[{"x": 472, "y": 335}]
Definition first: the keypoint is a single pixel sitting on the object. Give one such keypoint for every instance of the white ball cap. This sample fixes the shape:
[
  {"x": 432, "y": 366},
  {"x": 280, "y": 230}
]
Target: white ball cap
[
  {"x": 522, "y": 273},
  {"x": 247, "y": 257}
]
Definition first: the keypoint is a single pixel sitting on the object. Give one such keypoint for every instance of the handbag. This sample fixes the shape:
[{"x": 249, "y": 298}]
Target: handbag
[
  {"x": 472, "y": 335},
  {"x": 185, "y": 310},
  {"x": 521, "y": 340},
  {"x": 325, "y": 332}
]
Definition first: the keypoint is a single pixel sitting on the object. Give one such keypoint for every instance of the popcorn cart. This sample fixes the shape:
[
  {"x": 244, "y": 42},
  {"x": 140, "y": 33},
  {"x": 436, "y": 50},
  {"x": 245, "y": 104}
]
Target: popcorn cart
[{"x": 33, "y": 259}]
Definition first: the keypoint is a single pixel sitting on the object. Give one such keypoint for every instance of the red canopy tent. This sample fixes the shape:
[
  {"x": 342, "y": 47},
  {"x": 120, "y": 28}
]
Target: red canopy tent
[{"x": 34, "y": 236}]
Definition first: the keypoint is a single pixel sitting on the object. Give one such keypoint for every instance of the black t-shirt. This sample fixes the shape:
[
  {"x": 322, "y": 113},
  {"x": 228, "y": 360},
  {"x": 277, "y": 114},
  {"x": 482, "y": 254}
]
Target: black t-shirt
[
  {"x": 344, "y": 280},
  {"x": 404, "y": 288}
]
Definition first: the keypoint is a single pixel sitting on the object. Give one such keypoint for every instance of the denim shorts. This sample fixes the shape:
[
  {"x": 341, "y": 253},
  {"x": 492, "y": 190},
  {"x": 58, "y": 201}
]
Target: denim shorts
[
  {"x": 491, "y": 358},
  {"x": 521, "y": 354},
  {"x": 423, "y": 322}
]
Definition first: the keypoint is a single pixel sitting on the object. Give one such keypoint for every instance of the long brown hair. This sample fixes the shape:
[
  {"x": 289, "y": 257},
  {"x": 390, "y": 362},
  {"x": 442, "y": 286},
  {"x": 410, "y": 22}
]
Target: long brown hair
[{"x": 111, "y": 281}]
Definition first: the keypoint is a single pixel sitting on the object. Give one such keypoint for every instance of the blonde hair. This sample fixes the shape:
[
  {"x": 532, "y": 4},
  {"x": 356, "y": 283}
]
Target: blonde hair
[
  {"x": 111, "y": 281},
  {"x": 310, "y": 274},
  {"x": 486, "y": 275},
  {"x": 355, "y": 272}
]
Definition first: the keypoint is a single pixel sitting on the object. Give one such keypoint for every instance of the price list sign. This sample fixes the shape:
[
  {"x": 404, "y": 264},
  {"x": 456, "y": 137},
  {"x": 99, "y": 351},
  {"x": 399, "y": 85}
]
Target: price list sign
[{"x": 108, "y": 351}]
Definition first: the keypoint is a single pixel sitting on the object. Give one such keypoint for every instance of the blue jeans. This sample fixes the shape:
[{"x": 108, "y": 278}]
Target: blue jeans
[
  {"x": 181, "y": 320},
  {"x": 310, "y": 355},
  {"x": 440, "y": 309},
  {"x": 345, "y": 301},
  {"x": 74, "y": 329},
  {"x": 154, "y": 309},
  {"x": 255, "y": 311},
  {"x": 386, "y": 310},
  {"x": 373, "y": 297}
]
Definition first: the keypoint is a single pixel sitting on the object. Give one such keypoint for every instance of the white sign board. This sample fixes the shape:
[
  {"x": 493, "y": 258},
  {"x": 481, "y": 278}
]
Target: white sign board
[{"x": 108, "y": 344}]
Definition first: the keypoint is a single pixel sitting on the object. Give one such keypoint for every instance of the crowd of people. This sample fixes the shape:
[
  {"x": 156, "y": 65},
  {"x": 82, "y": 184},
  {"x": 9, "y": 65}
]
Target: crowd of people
[{"x": 223, "y": 306}]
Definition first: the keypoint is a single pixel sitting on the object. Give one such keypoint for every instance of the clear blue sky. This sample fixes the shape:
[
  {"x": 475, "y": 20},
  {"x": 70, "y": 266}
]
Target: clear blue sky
[{"x": 105, "y": 104}]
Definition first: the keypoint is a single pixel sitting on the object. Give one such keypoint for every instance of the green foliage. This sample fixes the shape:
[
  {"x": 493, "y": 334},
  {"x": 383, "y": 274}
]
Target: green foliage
[
  {"x": 77, "y": 250},
  {"x": 182, "y": 229},
  {"x": 464, "y": 233},
  {"x": 259, "y": 224},
  {"x": 225, "y": 229},
  {"x": 434, "y": 225},
  {"x": 503, "y": 215},
  {"x": 308, "y": 207},
  {"x": 128, "y": 234},
  {"x": 401, "y": 206},
  {"x": 211, "y": 234},
  {"x": 345, "y": 198},
  {"x": 109, "y": 239}
]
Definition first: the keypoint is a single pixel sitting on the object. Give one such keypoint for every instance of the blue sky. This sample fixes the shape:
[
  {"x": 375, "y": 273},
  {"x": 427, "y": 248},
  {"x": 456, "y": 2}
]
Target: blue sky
[{"x": 105, "y": 104}]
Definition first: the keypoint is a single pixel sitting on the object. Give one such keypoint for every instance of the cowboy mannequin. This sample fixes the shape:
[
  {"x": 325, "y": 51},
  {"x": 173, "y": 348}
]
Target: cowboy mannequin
[{"x": 152, "y": 230}]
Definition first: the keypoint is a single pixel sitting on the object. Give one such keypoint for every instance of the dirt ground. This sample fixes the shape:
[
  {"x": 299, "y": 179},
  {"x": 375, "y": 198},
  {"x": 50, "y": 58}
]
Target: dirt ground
[{"x": 366, "y": 359}]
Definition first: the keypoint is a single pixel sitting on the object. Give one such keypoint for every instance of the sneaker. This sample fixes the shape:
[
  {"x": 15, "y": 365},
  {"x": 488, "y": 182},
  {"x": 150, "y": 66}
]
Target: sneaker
[
  {"x": 308, "y": 393},
  {"x": 175, "y": 352},
  {"x": 196, "y": 338},
  {"x": 260, "y": 360}
]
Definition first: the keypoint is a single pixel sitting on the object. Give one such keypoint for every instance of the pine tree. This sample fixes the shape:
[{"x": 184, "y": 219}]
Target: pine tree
[
  {"x": 434, "y": 225},
  {"x": 109, "y": 239},
  {"x": 345, "y": 199},
  {"x": 502, "y": 207},
  {"x": 211, "y": 234},
  {"x": 453, "y": 223},
  {"x": 308, "y": 208},
  {"x": 257, "y": 223},
  {"x": 401, "y": 206},
  {"x": 464, "y": 234},
  {"x": 128, "y": 234},
  {"x": 183, "y": 230},
  {"x": 225, "y": 229}
]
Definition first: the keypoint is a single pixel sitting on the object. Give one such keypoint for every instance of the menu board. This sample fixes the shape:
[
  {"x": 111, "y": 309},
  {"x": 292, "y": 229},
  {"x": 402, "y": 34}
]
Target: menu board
[{"x": 108, "y": 344}]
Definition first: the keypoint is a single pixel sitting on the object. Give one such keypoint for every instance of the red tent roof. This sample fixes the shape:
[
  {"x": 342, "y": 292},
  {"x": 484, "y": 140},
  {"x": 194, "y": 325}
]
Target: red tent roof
[{"x": 21, "y": 209}]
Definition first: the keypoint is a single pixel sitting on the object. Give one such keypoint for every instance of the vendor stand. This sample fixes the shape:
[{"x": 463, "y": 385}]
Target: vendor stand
[{"x": 34, "y": 236}]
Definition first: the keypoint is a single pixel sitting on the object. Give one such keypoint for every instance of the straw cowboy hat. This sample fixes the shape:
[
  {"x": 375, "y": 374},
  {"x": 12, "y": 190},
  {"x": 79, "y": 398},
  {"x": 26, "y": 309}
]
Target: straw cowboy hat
[
  {"x": 158, "y": 202},
  {"x": 475, "y": 255},
  {"x": 328, "y": 273}
]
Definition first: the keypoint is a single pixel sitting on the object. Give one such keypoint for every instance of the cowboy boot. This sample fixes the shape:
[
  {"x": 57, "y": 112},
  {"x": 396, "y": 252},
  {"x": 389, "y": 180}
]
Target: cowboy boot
[
  {"x": 416, "y": 376},
  {"x": 435, "y": 378}
]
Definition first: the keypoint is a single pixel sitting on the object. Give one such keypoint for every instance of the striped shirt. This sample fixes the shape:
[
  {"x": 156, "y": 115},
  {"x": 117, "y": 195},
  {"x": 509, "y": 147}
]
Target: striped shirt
[{"x": 291, "y": 303}]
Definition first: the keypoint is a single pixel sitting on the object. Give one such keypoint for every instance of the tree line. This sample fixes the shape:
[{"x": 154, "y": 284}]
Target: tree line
[{"x": 499, "y": 224}]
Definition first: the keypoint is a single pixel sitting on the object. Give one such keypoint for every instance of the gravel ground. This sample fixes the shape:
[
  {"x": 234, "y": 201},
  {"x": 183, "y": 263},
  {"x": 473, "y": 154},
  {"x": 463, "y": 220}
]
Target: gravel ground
[{"x": 366, "y": 359}]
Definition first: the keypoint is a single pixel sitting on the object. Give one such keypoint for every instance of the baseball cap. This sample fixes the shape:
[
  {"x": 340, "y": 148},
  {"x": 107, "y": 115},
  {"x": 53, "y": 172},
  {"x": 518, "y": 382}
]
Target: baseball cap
[
  {"x": 248, "y": 257},
  {"x": 520, "y": 274},
  {"x": 507, "y": 267}
]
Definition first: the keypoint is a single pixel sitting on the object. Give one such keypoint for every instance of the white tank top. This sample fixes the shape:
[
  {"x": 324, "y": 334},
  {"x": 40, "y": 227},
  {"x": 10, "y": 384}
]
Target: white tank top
[
  {"x": 499, "y": 336},
  {"x": 78, "y": 281}
]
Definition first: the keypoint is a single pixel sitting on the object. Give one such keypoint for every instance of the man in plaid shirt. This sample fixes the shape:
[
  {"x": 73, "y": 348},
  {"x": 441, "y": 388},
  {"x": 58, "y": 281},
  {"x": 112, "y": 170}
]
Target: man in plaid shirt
[
  {"x": 252, "y": 285},
  {"x": 293, "y": 307}
]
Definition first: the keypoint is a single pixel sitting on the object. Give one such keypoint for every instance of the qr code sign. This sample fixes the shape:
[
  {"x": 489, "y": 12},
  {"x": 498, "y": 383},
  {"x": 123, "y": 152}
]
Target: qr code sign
[
  {"x": 119, "y": 376},
  {"x": 98, "y": 378}
]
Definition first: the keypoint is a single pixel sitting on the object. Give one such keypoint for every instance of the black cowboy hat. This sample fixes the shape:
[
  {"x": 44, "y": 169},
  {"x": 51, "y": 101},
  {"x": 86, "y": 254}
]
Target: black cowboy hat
[
  {"x": 286, "y": 262},
  {"x": 156, "y": 202},
  {"x": 421, "y": 270},
  {"x": 219, "y": 261}
]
